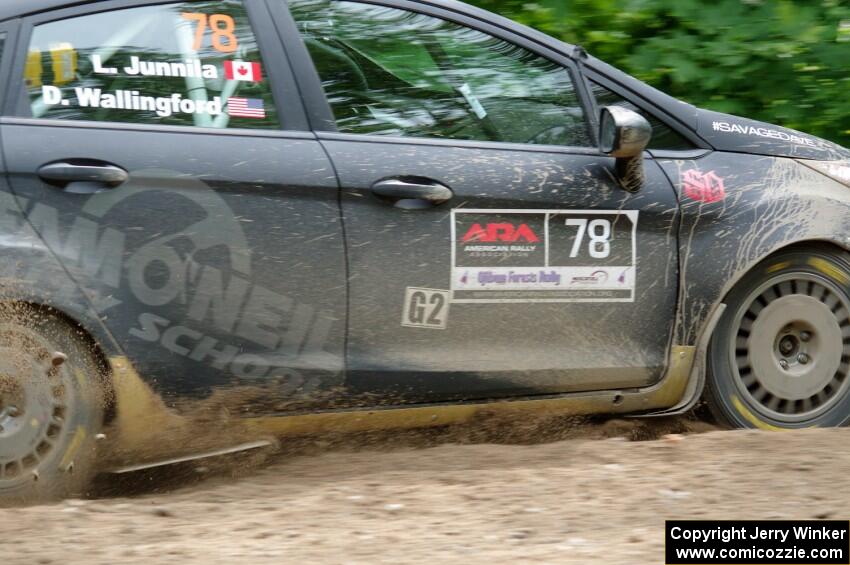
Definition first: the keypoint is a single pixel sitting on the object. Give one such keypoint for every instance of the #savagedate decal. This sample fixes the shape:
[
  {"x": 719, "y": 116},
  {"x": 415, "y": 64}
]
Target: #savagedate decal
[
  {"x": 756, "y": 131},
  {"x": 543, "y": 255}
]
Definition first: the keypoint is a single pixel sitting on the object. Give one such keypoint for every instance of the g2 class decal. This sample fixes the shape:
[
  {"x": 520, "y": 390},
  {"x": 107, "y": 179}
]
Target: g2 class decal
[
  {"x": 543, "y": 255},
  {"x": 426, "y": 308}
]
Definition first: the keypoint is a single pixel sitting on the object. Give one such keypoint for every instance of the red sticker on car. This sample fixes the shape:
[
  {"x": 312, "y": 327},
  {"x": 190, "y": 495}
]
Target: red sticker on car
[
  {"x": 241, "y": 70},
  {"x": 501, "y": 232},
  {"x": 703, "y": 187}
]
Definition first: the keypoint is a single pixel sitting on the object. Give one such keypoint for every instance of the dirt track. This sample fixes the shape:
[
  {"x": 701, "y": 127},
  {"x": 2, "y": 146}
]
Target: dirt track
[{"x": 572, "y": 501}]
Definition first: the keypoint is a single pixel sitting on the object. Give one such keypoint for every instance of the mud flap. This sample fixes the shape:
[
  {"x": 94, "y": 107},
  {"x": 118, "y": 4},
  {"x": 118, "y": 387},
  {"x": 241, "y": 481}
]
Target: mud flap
[{"x": 696, "y": 381}]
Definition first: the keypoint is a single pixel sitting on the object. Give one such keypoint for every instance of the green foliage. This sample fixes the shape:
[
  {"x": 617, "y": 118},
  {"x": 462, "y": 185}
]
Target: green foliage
[{"x": 781, "y": 61}]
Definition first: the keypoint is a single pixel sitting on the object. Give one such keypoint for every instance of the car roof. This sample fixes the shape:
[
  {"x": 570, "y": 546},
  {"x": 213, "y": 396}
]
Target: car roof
[
  {"x": 683, "y": 112},
  {"x": 15, "y": 8}
]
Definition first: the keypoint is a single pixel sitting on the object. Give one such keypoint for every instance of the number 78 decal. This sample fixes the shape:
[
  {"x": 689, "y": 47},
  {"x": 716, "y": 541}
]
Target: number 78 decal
[
  {"x": 599, "y": 246},
  {"x": 504, "y": 255},
  {"x": 222, "y": 27}
]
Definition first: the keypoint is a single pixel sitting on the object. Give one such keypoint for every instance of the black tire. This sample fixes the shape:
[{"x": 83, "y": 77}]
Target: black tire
[
  {"x": 50, "y": 415},
  {"x": 780, "y": 355}
]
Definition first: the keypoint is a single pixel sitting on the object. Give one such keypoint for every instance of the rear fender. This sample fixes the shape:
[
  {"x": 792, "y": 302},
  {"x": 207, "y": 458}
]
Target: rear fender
[{"x": 29, "y": 272}]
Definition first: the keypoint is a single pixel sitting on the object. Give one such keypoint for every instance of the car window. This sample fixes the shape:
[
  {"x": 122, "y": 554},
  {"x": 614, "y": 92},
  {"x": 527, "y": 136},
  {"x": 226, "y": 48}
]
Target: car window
[
  {"x": 187, "y": 63},
  {"x": 394, "y": 72},
  {"x": 663, "y": 137}
]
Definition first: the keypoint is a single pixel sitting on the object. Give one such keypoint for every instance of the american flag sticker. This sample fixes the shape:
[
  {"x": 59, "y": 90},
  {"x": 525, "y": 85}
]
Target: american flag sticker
[{"x": 246, "y": 108}]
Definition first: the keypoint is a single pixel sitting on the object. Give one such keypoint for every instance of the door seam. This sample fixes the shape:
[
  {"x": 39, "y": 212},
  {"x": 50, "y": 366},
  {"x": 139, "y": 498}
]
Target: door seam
[{"x": 346, "y": 260}]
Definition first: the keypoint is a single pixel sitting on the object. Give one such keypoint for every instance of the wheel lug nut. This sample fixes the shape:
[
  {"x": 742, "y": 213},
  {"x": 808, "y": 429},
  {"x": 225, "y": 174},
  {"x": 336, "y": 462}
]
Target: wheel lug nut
[
  {"x": 805, "y": 336},
  {"x": 784, "y": 364},
  {"x": 58, "y": 358},
  {"x": 803, "y": 358}
]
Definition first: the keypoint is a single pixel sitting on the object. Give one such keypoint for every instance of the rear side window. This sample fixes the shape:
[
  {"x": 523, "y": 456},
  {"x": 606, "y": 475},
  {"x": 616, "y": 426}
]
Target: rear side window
[
  {"x": 394, "y": 72},
  {"x": 188, "y": 64},
  {"x": 663, "y": 137}
]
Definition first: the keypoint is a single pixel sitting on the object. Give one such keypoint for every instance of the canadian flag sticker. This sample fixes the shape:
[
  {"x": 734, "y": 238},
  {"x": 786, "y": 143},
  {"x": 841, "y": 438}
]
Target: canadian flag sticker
[{"x": 241, "y": 70}]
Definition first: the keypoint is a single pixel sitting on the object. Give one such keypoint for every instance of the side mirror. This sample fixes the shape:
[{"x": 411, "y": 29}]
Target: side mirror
[{"x": 624, "y": 134}]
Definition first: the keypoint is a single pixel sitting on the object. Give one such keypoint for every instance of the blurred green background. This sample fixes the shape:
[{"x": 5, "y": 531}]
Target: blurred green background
[{"x": 780, "y": 61}]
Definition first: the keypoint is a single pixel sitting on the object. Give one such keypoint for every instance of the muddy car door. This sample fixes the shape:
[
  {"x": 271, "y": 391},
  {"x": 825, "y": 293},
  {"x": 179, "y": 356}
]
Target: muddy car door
[
  {"x": 160, "y": 152},
  {"x": 491, "y": 250}
]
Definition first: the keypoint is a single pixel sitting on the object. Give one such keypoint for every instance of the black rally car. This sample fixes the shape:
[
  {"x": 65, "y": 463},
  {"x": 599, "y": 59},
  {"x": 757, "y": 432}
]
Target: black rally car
[{"x": 314, "y": 214}]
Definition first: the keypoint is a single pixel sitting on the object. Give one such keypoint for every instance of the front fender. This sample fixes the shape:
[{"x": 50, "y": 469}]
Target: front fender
[{"x": 739, "y": 209}]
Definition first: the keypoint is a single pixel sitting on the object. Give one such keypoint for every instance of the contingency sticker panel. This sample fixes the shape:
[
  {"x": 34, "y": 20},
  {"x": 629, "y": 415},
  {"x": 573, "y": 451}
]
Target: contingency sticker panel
[{"x": 543, "y": 255}]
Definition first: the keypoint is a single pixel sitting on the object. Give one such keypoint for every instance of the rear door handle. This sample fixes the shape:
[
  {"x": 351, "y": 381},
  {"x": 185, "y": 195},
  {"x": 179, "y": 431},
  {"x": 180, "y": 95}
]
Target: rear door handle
[
  {"x": 83, "y": 176},
  {"x": 407, "y": 193}
]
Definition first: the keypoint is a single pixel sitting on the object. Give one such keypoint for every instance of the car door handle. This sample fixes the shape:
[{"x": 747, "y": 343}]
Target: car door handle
[
  {"x": 83, "y": 177},
  {"x": 407, "y": 191}
]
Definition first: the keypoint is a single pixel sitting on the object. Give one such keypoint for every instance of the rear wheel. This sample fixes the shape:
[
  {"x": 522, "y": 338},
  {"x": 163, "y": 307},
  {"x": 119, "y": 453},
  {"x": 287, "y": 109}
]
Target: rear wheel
[
  {"x": 50, "y": 407},
  {"x": 780, "y": 356}
]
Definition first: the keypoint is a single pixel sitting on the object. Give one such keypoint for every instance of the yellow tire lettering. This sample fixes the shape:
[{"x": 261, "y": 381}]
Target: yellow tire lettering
[
  {"x": 751, "y": 418},
  {"x": 81, "y": 377},
  {"x": 754, "y": 420},
  {"x": 73, "y": 447},
  {"x": 829, "y": 270},
  {"x": 778, "y": 267}
]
